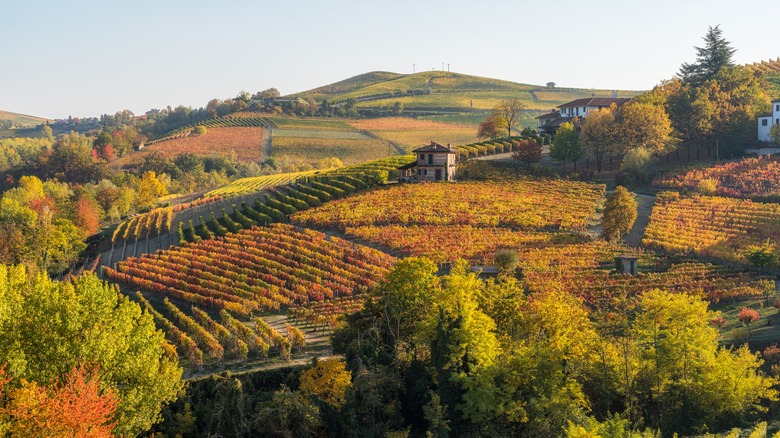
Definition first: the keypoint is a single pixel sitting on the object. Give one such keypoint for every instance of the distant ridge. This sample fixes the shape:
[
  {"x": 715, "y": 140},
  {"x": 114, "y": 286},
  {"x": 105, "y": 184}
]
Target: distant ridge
[
  {"x": 443, "y": 91},
  {"x": 21, "y": 120}
]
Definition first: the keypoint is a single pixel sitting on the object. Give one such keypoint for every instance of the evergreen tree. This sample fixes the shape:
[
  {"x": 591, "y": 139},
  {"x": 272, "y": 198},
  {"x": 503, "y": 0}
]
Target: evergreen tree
[{"x": 716, "y": 54}]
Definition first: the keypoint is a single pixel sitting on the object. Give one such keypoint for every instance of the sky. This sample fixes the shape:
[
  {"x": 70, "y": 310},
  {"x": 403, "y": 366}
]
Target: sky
[{"x": 87, "y": 58}]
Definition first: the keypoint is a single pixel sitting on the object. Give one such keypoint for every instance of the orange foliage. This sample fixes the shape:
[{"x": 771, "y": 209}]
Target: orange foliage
[
  {"x": 75, "y": 408},
  {"x": 86, "y": 216}
]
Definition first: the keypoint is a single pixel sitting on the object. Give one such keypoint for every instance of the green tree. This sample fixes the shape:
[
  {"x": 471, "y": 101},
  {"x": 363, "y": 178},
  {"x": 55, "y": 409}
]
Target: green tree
[
  {"x": 716, "y": 54},
  {"x": 684, "y": 372},
  {"x": 774, "y": 133},
  {"x": 407, "y": 301},
  {"x": 619, "y": 214},
  {"x": 47, "y": 327},
  {"x": 566, "y": 145},
  {"x": 398, "y": 108}
]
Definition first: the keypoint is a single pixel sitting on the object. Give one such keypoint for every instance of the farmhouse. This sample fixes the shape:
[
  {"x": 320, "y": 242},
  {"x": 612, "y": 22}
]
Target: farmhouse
[
  {"x": 576, "y": 109},
  {"x": 765, "y": 123},
  {"x": 434, "y": 162}
]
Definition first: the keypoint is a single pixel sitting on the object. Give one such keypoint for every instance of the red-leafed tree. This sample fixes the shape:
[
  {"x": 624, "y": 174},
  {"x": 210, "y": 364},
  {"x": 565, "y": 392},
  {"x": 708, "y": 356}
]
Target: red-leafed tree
[
  {"x": 528, "y": 151},
  {"x": 748, "y": 316}
]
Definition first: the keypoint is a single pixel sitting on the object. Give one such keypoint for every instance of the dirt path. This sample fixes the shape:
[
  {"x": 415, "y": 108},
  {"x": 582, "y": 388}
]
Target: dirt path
[
  {"x": 268, "y": 142},
  {"x": 644, "y": 207}
]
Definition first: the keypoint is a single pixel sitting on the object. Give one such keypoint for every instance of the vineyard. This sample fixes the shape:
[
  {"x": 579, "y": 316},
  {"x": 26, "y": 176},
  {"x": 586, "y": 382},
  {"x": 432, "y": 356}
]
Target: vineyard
[
  {"x": 496, "y": 146},
  {"x": 231, "y": 122},
  {"x": 258, "y": 183},
  {"x": 203, "y": 340},
  {"x": 448, "y": 243},
  {"x": 588, "y": 271},
  {"x": 256, "y": 270},
  {"x": 756, "y": 178},
  {"x": 411, "y": 133},
  {"x": 711, "y": 226},
  {"x": 527, "y": 204},
  {"x": 246, "y": 142},
  {"x": 311, "y": 149}
]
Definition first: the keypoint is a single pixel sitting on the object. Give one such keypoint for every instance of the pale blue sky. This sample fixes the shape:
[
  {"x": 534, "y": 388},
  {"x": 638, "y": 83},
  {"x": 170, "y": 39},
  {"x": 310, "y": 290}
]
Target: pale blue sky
[{"x": 85, "y": 58}]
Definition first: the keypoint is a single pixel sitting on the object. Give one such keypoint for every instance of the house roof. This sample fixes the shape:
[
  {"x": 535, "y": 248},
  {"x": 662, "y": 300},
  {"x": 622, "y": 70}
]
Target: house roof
[
  {"x": 435, "y": 147},
  {"x": 596, "y": 101},
  {"x": 550, "y": 115},
  {"x": 558, "y": 121},
  {"x": 408, "y": 166}
]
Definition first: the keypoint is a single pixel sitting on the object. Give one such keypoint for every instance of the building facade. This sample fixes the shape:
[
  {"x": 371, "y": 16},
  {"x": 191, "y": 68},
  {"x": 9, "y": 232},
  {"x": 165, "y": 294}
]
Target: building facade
[
  {"x": 765, "y": 123},
  {"x": 579, "y": 108},
  {"x": 434, "y": 162}
]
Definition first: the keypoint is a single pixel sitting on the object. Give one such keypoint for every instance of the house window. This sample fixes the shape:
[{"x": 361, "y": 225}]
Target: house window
[
  {"x": 764, "y": 122},
  {"x": 777, "y": 121},
  {"x": 777, "y": 107},
  {"x": 430, "y": 158}
]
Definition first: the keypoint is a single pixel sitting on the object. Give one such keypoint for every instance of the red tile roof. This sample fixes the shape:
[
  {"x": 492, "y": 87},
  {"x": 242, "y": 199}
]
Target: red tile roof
[
  {"x": 435, "y": 147},
  {"x": 597, "y": 101},
  {"x": 550, "y": 115}
]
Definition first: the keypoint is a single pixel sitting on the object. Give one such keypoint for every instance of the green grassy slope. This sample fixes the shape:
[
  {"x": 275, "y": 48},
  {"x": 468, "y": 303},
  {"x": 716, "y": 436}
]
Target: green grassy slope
[
  {"x": 21, "y": 120},
  {"x": 349, "y": 85},
  {"x": 438, "y": 90}
]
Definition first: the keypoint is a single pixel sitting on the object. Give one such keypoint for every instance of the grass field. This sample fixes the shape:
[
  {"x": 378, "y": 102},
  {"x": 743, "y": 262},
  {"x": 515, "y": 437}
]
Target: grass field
[
  {"x": 763, "y": 332},
  {"x": 246, "y": 142},
  {"x": 21, "y": 120},
  {"x": 311, "y": 150},
  {"x": 411, "y": 133}
]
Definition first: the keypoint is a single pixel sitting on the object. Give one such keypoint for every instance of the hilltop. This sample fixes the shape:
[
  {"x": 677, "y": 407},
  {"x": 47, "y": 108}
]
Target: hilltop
[
  {"x": 440, "y": 91},
  {"x": 21, "y": 120}
]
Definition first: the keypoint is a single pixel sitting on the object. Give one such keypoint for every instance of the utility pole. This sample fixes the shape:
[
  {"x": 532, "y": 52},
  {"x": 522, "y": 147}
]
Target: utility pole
[
  {"x": 414, "y": 69},
  {"x": 448, "y": 67}
]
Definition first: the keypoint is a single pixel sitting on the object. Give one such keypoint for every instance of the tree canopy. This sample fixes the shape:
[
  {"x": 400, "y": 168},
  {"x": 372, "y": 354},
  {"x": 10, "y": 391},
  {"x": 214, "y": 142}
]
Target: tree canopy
[{"x": 49, "y": 327}]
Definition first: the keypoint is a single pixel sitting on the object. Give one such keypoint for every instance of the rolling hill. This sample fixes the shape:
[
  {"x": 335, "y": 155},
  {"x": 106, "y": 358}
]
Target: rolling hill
[
  {"x": 439, "y": 91},
  {"x": 21, "y": 120}
]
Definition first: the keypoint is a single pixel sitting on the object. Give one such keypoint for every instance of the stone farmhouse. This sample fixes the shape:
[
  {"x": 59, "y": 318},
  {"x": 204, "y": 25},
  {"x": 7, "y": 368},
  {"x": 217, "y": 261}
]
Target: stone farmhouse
[
  {"x": 576, "y": 109},
  {"x": 434, "y": 162}
]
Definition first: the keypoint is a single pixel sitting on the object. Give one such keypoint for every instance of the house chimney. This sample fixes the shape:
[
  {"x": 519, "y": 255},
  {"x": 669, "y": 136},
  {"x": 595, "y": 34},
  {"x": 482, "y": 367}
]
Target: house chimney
[{"x": 449, "y": 147}]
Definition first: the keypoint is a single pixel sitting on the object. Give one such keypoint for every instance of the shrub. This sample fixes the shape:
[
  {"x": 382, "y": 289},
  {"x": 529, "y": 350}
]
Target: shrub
[
  {"x": 199, "y": 130},
  {"x": 639, "y": 163},
  {"x": 707, "y": 186},
  {"x": 506, "y": 260}
]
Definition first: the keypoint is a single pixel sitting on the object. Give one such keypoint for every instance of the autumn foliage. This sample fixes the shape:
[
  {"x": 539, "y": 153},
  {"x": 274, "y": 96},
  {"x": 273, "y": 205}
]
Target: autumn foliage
[{"x": 75, "y": 407}]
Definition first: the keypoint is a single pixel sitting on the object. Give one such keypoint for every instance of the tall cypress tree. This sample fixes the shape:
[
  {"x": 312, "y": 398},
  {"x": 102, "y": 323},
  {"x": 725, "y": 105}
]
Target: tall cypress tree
[{"x": 716, "y": 54}]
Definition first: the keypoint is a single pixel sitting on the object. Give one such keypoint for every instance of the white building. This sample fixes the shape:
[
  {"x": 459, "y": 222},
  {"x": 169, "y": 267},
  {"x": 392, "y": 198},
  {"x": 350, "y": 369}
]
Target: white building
[
  {"x": 576, "y": 108},
  {"x": 765, "y": 123}
]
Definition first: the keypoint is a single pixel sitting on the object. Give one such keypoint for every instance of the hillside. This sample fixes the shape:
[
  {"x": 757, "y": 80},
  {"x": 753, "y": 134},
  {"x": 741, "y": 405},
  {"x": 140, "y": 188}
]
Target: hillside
[
  {"x": 21, "y": 120},
  {"x": 435, "y": 91},
  {"x": 770, "y": 72},
  {"x": 349, "y": 85}
]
